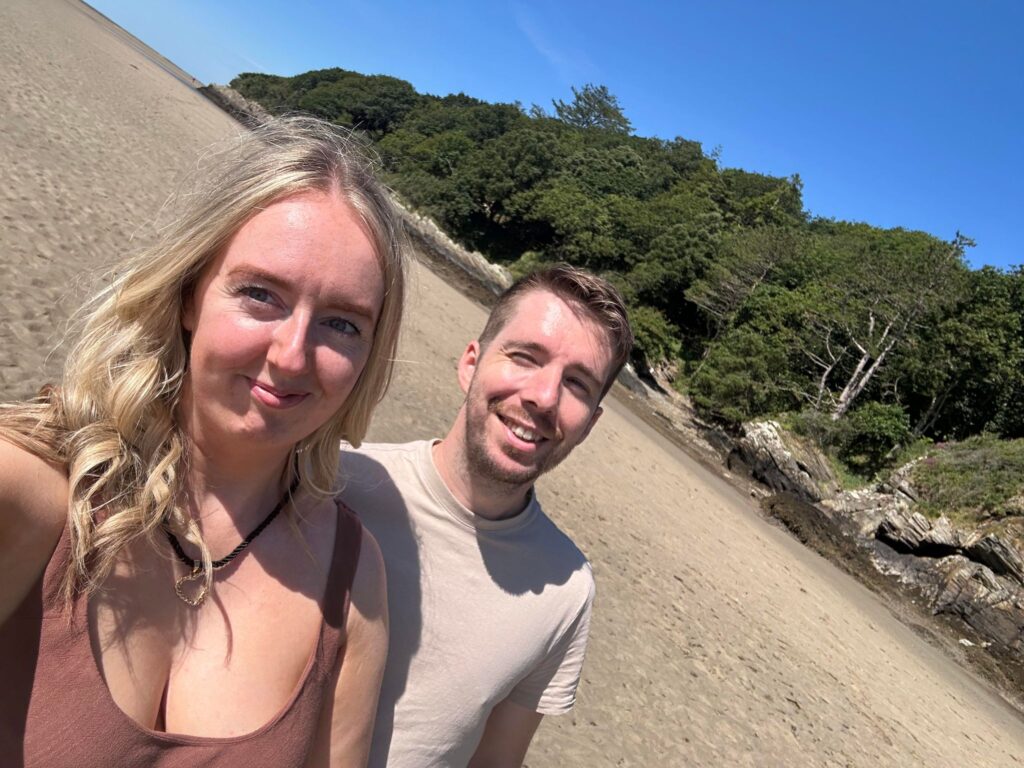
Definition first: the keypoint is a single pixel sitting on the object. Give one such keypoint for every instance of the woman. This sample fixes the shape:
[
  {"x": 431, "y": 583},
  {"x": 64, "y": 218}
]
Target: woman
[{"x": 179, "y": 586}]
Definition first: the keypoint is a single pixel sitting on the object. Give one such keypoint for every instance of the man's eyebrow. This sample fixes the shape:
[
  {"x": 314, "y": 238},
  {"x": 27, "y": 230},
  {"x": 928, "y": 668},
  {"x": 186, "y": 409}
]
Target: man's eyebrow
[
  {"x": 344, "y": 304},
  {"x": 532, "y": 346}
]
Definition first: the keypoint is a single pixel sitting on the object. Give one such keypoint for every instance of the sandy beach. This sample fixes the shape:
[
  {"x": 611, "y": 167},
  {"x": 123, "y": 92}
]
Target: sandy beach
[{"x": 718, "y": 640}]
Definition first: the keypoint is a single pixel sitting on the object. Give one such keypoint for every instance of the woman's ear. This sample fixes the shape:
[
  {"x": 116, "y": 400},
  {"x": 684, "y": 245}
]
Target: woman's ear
[{"x": 188, "y": 308}]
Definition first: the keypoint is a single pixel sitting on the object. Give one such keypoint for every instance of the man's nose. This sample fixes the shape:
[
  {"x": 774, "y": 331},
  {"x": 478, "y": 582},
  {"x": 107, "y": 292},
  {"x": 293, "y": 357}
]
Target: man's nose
[
  {"x": 289, "y": 348},
  {"x": 543, "y": 389}
]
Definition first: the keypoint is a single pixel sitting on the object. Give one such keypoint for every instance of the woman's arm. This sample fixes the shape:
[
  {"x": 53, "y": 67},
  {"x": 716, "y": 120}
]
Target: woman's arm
[
  {"x": 346, "y": 724},
  {"x": 33, "y": 509}
]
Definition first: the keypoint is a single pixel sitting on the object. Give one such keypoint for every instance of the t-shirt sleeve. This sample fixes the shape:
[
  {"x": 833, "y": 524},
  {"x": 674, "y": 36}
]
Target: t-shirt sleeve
[{"x": 550, "y": 688}]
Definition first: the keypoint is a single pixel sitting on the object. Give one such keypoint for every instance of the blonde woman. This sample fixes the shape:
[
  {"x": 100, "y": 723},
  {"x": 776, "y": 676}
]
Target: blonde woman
[{"x": 179, "y": 587}]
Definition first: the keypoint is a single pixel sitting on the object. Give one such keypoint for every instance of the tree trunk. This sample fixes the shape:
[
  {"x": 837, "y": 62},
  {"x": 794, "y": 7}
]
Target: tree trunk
[{"x": 857, "y": 383}]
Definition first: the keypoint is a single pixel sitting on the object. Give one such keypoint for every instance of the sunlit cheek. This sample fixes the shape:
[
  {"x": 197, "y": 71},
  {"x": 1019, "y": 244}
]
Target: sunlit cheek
[
  {"x": 578, "y": 419},
  {"x": 339, "y": 371},
  {"x": 515, "y": 376}
]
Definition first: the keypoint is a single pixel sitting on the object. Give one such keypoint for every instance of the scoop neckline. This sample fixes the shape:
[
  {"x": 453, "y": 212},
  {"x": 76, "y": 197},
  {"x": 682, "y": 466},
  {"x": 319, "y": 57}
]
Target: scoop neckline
[{"x": 185, "y": 739}]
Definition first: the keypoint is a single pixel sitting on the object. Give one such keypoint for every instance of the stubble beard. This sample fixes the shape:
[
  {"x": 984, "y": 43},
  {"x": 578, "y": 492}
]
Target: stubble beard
[{"x": 481, "y": 464}]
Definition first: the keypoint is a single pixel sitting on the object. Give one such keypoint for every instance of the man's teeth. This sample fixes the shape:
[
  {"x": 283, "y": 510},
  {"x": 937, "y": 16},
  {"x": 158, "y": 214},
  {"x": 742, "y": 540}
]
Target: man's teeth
[{"x": 524, "y": 434}]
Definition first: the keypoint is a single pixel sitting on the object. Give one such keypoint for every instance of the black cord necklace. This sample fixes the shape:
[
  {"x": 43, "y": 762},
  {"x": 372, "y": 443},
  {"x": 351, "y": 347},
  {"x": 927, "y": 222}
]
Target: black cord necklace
[{"x": 197, "y": 565}]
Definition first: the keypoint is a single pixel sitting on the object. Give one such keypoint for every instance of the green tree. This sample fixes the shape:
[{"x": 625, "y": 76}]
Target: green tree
[
  {"x": 593, "y": 106},
  {"x": 875, "y": 289},
  {"x": 959, "y": 375},
  {"x": 869, "y": 434},
  {"x": 744, "y": 376},
  {"x": 745, "y": 260}
]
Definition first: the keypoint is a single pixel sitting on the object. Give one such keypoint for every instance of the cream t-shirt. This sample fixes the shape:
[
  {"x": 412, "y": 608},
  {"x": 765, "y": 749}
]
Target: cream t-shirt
[{"x": 480, "y": 610}]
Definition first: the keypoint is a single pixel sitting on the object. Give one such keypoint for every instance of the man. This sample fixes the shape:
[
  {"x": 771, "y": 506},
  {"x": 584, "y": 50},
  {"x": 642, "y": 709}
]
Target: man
[{"x": 489, "y": 602}]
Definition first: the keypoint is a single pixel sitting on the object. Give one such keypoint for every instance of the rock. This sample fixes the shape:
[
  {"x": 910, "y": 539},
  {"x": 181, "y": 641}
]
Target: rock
[
  {"x": 899, "y": 481},
  {"x": 903, "y": 530},
  {"x": 994, "y": 609},
  {"x": 998, "y": 555},
  {"x": 944, "y": 536},
  {"x": 866, "y": 508},
  {"x": 1013, "y": 506},
  {"x": 427, "y": 235},
  {"x": 631, "y": 381},
  {"x": 785, "y": 462},
  {"x": 248, "y": 113},
  {"x": 908, "y": 531}
]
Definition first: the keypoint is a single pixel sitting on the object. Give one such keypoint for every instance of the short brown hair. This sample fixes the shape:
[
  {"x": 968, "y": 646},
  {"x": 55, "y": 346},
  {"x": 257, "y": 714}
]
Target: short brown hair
[{"x": 598, "y": 298}]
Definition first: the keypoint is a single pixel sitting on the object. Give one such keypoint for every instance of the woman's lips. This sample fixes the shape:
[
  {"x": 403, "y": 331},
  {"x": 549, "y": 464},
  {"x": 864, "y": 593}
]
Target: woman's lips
[{"x": 274, "y": 398}]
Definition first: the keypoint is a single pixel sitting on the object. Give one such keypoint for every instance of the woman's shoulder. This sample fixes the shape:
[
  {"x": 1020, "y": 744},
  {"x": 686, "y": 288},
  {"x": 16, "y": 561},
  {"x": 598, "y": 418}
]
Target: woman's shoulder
[
  {"x": 33, "y": 511},
  {"x": 37, "y": 488}
]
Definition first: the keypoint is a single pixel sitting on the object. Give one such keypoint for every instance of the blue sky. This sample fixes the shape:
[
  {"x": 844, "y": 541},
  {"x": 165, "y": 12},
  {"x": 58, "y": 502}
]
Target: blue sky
[{"x": 895, "y": 113}]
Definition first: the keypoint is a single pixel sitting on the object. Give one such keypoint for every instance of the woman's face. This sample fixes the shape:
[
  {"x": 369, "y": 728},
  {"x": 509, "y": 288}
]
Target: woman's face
[{"x": 282, "y": 324}]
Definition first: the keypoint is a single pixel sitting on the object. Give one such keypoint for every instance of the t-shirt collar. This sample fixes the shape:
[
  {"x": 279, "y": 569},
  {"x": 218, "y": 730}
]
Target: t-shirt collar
[{"x": 446, "y": 499}]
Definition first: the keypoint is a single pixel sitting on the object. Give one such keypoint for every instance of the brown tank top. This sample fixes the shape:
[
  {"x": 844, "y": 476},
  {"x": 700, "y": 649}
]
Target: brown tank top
[{"x": 56, "y": 710}]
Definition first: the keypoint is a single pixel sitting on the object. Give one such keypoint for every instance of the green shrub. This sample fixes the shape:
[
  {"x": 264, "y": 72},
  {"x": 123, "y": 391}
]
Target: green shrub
[
  {"x": 655, "y": 337},
  {"x": 866, "y": 436},
  {"x": 743, "y": 377},
  {"x": 980, "y": 478},
  {"x": 815, "y": 425},
  {"x": 529, "y": 261}
]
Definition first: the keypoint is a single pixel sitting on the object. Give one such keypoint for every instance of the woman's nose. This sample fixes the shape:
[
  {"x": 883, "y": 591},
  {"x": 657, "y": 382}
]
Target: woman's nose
[{"x": 289, "y": 349}]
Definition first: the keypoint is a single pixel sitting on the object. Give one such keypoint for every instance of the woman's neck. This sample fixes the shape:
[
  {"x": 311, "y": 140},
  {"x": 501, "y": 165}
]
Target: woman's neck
[{"x": 228, "y": 499}]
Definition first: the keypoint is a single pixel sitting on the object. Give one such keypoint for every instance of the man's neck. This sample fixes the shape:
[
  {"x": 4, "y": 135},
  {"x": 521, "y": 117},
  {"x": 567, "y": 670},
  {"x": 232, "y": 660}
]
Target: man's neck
[{"x": 482, "y": 498}]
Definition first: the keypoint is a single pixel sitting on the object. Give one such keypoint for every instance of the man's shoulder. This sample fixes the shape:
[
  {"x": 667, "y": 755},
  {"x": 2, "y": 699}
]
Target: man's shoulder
[
  {"x": 384, "y": 450},
  {"x": 550, "y": 532},
  {"x": 549, "y": 543},
  {"x": 378, "y": 460}
]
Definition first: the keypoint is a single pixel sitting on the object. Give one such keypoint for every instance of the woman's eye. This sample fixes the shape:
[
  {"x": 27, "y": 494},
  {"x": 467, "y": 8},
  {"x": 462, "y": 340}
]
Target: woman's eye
[
  {"x": 341, "y": 325},
  {"x": 256, "y": 293}
]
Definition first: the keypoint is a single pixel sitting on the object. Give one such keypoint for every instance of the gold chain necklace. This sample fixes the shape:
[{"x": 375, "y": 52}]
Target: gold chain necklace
[{"x": 197, "y": 565}]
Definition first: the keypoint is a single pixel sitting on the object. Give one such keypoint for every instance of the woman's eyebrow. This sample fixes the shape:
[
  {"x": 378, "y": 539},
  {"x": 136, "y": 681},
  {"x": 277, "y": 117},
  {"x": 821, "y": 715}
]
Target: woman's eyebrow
[{"x": 342, "y": 303}]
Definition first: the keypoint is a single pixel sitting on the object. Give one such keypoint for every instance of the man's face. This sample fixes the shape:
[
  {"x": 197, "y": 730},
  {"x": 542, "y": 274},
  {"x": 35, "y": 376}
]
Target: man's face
[{"x": 532, "y": 395}]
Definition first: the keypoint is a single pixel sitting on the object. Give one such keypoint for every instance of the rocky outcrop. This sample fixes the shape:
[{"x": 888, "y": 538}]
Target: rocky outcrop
[
  {"x": 427, "y": 236},
  {"x": 974, "y": 576},
  {"x": 898, "y": 483},
  {"x": 913, "y": 533},
  {"x": 785, "y": 462},
  {"x": 248, "y": 113},
  {"x": 997, "y": 554},
  {"x": 970, "y": 591},
  {"x": 977, "y": 577},
  {"x": 865, "y": 509}
]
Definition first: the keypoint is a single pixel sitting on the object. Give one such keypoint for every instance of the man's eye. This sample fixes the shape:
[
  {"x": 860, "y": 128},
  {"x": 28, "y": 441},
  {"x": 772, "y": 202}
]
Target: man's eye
[
  {"x": 341, "y": 325},
  {"x": 579, "y": 385}
]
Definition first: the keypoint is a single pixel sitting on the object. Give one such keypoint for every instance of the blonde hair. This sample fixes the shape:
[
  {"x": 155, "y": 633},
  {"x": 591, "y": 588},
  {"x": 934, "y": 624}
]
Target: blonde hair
[{"x": 112, "y": 422}]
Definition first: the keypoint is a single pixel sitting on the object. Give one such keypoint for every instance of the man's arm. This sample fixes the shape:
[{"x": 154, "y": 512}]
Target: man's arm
[
  {"x": 549, "y": 688},
  {"x": 507, "y": 736}
]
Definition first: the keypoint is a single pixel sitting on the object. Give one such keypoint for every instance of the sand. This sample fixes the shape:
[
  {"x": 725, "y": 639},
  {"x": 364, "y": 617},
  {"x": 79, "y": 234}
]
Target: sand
[{"x": 718, "y": 640}]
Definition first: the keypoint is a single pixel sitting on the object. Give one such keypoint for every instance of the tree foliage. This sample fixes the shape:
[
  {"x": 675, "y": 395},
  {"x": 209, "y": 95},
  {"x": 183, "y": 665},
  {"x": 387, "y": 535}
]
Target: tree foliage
[
  {"x": 883, "y": 333},
  {"x": 593, "y": 106}
]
